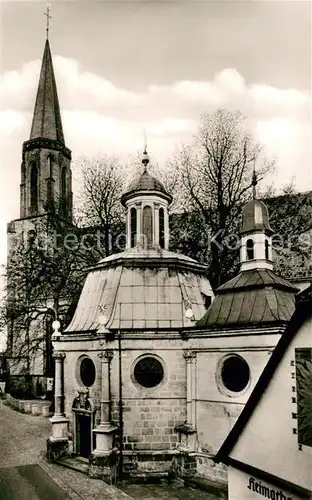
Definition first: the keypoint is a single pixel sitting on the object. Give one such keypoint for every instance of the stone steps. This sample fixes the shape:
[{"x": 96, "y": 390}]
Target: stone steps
[
  {"x": 149, "y": 476},
  {"x": 76, "y": 463}
]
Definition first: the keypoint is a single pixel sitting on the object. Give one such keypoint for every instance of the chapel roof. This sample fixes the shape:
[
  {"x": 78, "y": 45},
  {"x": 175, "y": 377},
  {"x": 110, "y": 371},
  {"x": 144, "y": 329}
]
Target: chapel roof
[
  {"x": 141, "y": 288},
  {"x": 252, "y": 297}
]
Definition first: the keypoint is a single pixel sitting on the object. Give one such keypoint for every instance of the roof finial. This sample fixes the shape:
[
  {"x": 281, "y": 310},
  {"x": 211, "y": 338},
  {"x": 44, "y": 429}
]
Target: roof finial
[
  {"x": 254, "y": 181},
  {"x": 145, "y": 141},
  {"x": 145, "y": 158},
  {"x": 48, "y": 16}
]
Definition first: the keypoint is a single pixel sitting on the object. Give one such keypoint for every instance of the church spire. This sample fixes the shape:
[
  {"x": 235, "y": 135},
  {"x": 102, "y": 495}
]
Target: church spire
[
  {"x": 47, "y": 123},
  {"x": 45, "y": 170}
]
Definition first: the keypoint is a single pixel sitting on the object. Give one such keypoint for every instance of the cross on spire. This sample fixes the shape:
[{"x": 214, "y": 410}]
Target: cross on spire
[
  {"x": 145, "y": 158},
  {"x": 48, "y": 16},
  {"x": 254, "y": 182},
  {"x": 145, "y": 142}
]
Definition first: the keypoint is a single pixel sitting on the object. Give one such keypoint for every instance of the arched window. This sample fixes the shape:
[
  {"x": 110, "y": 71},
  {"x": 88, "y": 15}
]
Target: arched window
[
  {"x": 34, "y": 187},
  {"x": 161, "y": 228},
  {"x": 133, "y": 223},
  {"x": 148, "y": 226},
  {"x": 267, "y": 249},
  {"x": 250, "y": 249}
]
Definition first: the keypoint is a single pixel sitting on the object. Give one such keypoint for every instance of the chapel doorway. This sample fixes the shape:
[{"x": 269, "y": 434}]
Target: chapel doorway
[
  {"x": 83, "y": 424},
  {"x": 83, "y": 435}
]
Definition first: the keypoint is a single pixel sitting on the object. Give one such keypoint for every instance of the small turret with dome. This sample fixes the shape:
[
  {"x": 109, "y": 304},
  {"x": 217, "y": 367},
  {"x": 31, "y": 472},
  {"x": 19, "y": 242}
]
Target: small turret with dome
[
  {"x": 256, "y": 234},
  {"x": 147, "y": 204},
  {"x": 256, "y": 296}
]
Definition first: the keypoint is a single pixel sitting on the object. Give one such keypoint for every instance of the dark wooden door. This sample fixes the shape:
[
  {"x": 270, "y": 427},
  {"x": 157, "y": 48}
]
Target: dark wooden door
[{"x": 84, "y": 435}]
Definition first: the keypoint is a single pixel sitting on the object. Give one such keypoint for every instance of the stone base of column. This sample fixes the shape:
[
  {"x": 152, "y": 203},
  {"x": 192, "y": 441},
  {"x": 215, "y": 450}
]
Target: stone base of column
[
  {"x": 59, "y": 428},
  {"x": 104, "y": 438},
  {"x": 104, "y": 465},
  {"x": 187, "y": 437},
  {"x": 57, "y": 449}
]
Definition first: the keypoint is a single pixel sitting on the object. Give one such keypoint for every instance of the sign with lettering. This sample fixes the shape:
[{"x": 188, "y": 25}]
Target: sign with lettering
[
  {"x": 266, "y": 491},
  {"x": 244, "y": 486}
]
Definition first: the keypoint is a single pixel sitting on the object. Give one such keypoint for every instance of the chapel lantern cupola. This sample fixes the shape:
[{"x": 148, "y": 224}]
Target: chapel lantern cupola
[
  {"x": 256, "y": 235},
  {"x": 147, "y": 201}
]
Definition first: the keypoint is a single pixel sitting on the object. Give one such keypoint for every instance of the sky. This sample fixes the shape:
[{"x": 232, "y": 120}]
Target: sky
[{"x": 125, "y": 66}]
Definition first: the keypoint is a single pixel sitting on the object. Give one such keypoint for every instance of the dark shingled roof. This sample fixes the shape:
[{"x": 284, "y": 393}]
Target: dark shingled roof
[
  {"x": 47, "y": 121},
  {"x": 145, "y": 182},
  {"x": 252, "y": 297}
]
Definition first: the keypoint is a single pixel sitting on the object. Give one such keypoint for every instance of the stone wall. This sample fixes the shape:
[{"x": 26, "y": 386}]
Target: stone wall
[{"x": 150, "y": 415}]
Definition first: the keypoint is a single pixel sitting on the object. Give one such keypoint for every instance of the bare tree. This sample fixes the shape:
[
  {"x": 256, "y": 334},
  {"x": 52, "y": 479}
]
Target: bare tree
[
  {"x": 100, "y": 209},
  {"x": 45, "y": 271},
  {"x": 214, "y": 176}
]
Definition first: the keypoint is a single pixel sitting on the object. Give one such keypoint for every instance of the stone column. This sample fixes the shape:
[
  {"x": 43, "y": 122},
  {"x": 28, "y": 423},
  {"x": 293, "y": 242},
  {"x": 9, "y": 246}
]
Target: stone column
[
  {"x": 156, "y": 224},
  {"x": 193, "y": 395},
  {"x": 189, "y": 357},
  {"x": 59, "y": 421},
  {"x": 187, "y": 431},
  {"x": 105, "y": 357},
  {"x": 166, "y": 217},
  {"x": 104, "y": 432},
  {"x": 128, "y": 244},
  {"x": 103, "y": 461},
  {"x": 58, "y": 395},
  {"x": 138, "y": 207}
]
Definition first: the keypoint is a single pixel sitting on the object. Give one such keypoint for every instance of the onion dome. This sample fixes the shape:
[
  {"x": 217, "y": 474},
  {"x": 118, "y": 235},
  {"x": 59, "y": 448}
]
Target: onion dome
[
  {"x": 255, "y": 217},
  {"x": 145, "y": 182}
]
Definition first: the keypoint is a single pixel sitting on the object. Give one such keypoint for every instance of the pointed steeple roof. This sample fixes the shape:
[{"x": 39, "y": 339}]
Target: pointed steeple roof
[{"x": 47, "y": 121}]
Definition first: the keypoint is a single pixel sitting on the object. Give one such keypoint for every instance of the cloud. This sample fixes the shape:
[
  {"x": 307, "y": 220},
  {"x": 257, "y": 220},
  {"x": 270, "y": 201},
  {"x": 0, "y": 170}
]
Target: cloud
[{"x": 99, "y": 117}]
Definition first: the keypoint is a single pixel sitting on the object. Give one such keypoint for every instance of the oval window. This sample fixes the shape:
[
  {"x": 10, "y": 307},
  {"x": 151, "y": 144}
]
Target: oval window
[
  {"x": 87, "y": 372},
  {"x": 148, "y": 372},
  {"x": 235, "y": 373}
]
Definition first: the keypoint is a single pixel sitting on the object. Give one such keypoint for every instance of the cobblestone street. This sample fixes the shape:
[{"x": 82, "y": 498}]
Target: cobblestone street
[
  {"x": 22, "y": 437},
  {"x": 25, "y": 474}
]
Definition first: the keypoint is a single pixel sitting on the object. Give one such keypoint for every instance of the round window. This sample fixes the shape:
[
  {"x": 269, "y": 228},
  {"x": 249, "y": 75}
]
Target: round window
[
  {"x": 87, "y": 372},
  {"x": 148, "y": 372},
  {"x": 235, "y": 373}
]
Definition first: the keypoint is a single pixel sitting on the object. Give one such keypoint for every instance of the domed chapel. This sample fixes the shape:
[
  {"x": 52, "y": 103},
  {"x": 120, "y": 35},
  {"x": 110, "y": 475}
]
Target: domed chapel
[{"x": 153, "y": 370}]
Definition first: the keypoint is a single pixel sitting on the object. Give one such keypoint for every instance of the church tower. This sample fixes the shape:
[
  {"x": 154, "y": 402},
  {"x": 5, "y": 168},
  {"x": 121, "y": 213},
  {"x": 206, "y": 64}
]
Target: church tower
[
  {"x": 45, "y": 189},
  {"x": 45, "y": 171}
]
